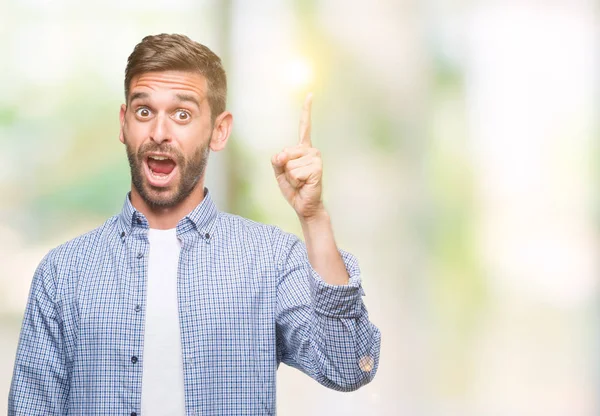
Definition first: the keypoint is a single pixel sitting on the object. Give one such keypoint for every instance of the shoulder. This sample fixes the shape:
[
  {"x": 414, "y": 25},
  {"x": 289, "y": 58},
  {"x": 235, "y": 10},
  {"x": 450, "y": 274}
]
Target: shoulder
[
  {"x": 271, "y": 240},
  {"x": 235, "y": 226},
  {"x": 83, "y": 245},
  {"x": 55, "y": 269}
]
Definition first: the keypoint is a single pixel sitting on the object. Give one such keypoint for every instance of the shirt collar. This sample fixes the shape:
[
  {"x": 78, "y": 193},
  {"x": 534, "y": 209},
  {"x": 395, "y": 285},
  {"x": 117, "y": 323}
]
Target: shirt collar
[{"x": 200, "y": 219}]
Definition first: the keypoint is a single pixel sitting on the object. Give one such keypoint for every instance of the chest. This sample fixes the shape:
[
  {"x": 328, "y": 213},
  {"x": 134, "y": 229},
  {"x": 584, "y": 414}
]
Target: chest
[{"x": 226, "y": 296}]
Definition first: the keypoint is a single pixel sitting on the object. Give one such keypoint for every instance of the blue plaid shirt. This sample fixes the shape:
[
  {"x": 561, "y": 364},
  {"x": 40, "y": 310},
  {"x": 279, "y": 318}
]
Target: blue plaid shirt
[{"x": 248, "y": 300}]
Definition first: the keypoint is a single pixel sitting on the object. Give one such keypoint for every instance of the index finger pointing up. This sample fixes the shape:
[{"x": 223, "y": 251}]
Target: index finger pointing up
[{"x": 305, "y": 121}]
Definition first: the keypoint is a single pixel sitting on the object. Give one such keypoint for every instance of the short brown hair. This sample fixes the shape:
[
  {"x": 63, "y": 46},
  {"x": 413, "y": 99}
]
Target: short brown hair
[{"x": 167, "y": 52}]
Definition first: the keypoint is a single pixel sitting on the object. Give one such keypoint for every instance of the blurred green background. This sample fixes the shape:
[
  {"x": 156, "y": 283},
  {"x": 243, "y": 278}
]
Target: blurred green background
[{"x": 459, "y": 139}]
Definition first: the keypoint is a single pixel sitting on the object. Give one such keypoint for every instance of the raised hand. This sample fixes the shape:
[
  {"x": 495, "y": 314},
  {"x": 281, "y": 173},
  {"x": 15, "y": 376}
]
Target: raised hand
[{"x": 299, "y": 169}]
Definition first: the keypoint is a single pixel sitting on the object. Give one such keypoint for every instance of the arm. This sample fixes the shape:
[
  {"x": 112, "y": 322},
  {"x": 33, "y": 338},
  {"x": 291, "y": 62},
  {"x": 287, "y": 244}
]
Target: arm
[
  {"x": 323, "y": 329},
  {"x": 322, "y": 251},
  {"x": 322, "y": 325},
  {"x": 40, "y": 384}
]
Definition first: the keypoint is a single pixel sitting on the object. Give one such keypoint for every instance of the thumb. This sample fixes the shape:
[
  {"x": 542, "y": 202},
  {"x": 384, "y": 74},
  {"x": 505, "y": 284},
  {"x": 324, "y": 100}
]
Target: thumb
[{"x": 278, "y": 161}]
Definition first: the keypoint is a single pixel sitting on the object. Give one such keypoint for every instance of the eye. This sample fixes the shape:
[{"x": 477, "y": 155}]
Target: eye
[
  {"x": 182, "y": 115},
  {"x": 142, "y": 112}
]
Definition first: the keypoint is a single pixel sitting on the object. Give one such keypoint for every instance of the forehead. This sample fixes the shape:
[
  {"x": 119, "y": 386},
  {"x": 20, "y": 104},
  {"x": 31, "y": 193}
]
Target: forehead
[{"x": 169, "y": 81}]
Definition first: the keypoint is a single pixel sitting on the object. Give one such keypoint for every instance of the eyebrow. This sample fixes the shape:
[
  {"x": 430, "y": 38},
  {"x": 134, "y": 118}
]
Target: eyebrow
[
  {"x": 137, "y": 96},
  {"x": 181, "y": 97},
  {"x": 188, "y": 98}
]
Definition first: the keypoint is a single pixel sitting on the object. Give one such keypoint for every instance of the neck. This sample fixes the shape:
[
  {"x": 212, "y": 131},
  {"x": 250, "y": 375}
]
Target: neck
[{"x": 165, "y": 218}]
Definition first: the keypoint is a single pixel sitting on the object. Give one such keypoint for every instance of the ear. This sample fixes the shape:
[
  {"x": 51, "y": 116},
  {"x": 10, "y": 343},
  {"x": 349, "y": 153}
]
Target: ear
[
  {"x": 122, "y": 120},
  {"x": 221, "y": 131}
]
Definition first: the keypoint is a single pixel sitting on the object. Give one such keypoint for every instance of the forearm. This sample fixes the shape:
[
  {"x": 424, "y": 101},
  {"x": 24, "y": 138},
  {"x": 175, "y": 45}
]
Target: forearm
[
  {"x": 322, "y": 251},
  {"x": 339, "y": 353},
  {"x": 40, "y": 378},
  {"x": 324, "y": 329}
]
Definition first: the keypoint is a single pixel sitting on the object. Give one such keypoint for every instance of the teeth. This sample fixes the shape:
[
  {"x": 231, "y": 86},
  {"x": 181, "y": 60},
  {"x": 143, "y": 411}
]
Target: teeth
[
  {"x": 158, "y": 157},
  {"x": 158, "y": 175}
]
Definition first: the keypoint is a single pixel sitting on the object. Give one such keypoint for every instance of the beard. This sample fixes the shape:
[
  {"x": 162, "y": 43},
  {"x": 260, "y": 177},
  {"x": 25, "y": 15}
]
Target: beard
[{"x": 191, "y": 169}]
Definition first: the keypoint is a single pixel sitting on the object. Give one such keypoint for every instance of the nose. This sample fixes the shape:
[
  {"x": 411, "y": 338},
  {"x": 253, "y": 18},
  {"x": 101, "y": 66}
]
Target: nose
[{"x": 160, "y": 129}]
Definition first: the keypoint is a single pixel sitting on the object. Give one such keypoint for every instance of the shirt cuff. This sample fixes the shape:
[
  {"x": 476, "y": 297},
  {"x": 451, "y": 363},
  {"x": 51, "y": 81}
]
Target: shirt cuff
[{"x": 339, "y": 301}]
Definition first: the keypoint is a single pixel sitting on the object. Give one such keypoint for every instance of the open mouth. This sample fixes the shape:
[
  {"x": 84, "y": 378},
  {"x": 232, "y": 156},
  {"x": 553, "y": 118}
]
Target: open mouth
[{"x": 160, "y": 169}]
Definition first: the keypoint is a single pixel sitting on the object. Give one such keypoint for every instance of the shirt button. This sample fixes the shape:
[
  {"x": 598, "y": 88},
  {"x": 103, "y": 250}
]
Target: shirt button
[
  {"x": 123, "y": 234},
  {"x": 134, "y": 359},
  {"x": 207, "y": 236},
  {"x": 138, "y": 220},
  {"x": 133, "y": 414},
  {"x": 138, "y": 308},
  {"x": 140, "y": 255}
]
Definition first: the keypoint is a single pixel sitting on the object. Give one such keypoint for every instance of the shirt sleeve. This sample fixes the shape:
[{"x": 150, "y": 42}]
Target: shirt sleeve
[
  {"x": 40, "y": 378},
  {"x": 322, "y": 329}
]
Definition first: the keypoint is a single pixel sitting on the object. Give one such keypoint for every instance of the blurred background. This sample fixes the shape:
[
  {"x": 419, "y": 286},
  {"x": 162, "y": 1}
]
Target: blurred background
[{"x": 460, "y": 143}]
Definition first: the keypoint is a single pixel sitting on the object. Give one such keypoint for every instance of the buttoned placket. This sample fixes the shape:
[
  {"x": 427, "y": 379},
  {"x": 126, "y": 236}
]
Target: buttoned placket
[{"x": 137, "y": 249}]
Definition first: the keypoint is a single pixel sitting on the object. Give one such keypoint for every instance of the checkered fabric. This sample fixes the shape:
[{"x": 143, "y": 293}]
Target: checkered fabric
[{"x": 248, "y": 300}]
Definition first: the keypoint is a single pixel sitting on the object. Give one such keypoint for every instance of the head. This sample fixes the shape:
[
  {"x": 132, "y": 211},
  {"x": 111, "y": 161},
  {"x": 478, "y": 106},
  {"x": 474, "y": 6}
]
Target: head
[{"x": 175, "y": 93}]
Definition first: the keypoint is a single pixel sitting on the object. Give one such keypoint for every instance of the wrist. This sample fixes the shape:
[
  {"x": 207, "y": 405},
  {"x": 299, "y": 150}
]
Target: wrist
[{"x": 319, "y": 216}]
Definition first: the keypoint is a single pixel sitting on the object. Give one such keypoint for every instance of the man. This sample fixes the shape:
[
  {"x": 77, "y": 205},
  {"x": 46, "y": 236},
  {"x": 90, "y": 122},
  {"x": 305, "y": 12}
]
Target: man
[{"x": 172, "y": 307}]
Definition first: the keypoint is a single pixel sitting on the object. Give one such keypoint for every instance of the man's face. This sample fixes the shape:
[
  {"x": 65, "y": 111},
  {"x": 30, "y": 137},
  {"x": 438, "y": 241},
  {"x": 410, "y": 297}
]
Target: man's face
[{"x": 166, "y": 128}]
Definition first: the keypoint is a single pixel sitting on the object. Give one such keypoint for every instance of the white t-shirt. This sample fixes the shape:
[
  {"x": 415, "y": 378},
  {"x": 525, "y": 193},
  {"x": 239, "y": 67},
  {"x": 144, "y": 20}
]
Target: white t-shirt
[{"x": 162, "y": 379}]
